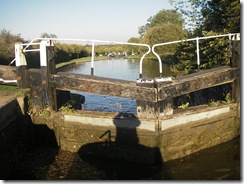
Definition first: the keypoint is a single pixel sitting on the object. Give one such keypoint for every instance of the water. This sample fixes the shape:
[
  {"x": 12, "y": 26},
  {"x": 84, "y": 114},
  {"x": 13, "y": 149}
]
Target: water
[
  {"x": 120, "y": 68},
  {"x": 221, "y": 162},
  {"x": 125, "y": 69}
]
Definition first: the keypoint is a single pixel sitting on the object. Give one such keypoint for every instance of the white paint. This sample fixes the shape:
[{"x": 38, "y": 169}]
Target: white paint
[
  {"x": 169, "y": 123},
  {"x": 191, "y": 39},
  {"x": 43, "y": 53},
  {"x": 125, "y": 123},
  {"x": 19, "y": 56},
  {"x": 7, "y": 81}
]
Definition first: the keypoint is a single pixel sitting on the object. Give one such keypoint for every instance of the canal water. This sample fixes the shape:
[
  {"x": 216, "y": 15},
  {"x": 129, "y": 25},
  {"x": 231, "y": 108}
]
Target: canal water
[
  {"x": 125, "y": 69},
  {"x": 221, "y": 162}
]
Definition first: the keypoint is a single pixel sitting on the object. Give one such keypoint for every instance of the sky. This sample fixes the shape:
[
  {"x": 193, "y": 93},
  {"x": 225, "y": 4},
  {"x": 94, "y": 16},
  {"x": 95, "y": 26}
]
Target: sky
[{"x": 113, "y": 20}]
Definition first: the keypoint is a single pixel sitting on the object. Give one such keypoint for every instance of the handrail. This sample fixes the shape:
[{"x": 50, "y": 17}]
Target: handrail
[
  {"x": 186, "y": 40},
  {"x": 93, "y": 45},
  {"x": 32, "y": 42}
]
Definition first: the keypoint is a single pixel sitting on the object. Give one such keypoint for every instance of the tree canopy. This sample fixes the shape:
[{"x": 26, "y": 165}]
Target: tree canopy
[
  {"x": 222, "y": 16},
  {"x": 46, "y": 35},
  {"x": 164, "y": 33},
  {"x": 163, "y": 17},
  {"x": 207, "y": 18},
  {"x": 7, "y": 42},
  {"x": 165, "y": 26},
  {"x": 211, "y": 15}
]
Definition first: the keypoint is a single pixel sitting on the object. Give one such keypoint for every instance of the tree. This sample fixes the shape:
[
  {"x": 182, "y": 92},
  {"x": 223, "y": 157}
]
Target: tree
[
  {"x": 165, "y": 33},
  {"x": 132, "y": 48},
  {"x": 7, "y": 43},
  {"x": 66, "y": 52},
  {"x": 163, "y": 17},
  {"x": 165, "y": 26},
  {"x": 46, "y": 35},
  {"x": 191, "y": 11},
  {"x": 222, "y": 16},
  {"x": 211, "y": 17}
]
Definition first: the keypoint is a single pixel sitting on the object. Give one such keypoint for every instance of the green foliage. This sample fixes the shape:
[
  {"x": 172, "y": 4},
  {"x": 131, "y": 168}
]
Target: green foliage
[
  {"x": 191, "y": 11},
  {"x": 134, "y": 49},
  {"x": 214, "y": 52},
  {"x": 227, "y": 100},
  {"x": 184, "y": 106},
  {"x": 8, "y": 88},
  {"x": 165, "y": 26},
  {"x": 163, "y": 17},
  {"x": 66, "y": 110},
  {"x": 207, "y": 18},
  {"x": 45, "y": 113},
  {"x": 7, "y": 42},
  {"x": 222, "y": 16},
  {"x": 185, "y": 59},
  {"x": 46, "y": 35},
  {"x": 164, "y": 33},
  {"x": 67, "y": 52}
]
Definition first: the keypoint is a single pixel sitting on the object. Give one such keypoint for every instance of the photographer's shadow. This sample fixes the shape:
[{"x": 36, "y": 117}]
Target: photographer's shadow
[{"x": 122, "y": 143}]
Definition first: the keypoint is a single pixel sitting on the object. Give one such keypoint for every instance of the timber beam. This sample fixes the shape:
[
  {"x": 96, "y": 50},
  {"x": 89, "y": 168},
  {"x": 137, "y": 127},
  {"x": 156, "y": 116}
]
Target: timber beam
[
  {"x": 129, "y": 89},
  {"x": 197, "y": 81},
  {"x": 102, "y": 86}
]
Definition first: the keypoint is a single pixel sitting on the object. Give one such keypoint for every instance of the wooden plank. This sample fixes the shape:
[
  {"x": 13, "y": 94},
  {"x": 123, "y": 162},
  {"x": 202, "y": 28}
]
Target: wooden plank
[
  {"x": 103, "y": 86},
  {"x": 198, "y": 81}
]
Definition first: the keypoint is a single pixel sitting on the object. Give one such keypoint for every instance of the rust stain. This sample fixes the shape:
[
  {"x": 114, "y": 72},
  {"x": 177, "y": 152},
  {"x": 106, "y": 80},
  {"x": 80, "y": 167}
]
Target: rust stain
[{"x": 44, "y": 82}]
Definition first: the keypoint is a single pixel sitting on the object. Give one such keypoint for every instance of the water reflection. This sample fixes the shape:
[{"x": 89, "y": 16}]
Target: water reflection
[{"x": 125, "y": 69}]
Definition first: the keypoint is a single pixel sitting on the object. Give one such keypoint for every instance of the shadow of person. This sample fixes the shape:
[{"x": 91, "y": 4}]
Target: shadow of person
[
  {"x": 122, "y": 142},
  {"x": 126, "y": 134},
  {"x": 125, "y": 151},
  {"x": 128, "y": 142}
]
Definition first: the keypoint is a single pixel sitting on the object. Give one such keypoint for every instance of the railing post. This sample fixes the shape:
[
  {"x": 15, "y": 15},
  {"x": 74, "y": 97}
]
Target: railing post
[
  {"x": 21, "y": 65},
  {"x": 198, "y": 55},
  {"x": 92, "y": 57},
  {"x": 47, "y": 68},
  {"x": 141, "y": 60},
  {"x": 230, "y": 47},
  {"x": 159, "y": 60}
]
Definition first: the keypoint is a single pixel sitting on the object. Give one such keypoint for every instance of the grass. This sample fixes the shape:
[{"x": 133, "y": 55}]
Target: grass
[
  {"x": 81, "y": 60},
  {"x": 8, "y": 88},
  {"x": 13, "y": 90}
]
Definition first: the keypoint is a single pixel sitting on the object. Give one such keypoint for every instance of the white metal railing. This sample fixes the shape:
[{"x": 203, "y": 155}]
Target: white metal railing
[
  {"x": 197, "y": 46},
  {"x": 21, "y": 49},
  {"x": 25, "y": 49}
]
